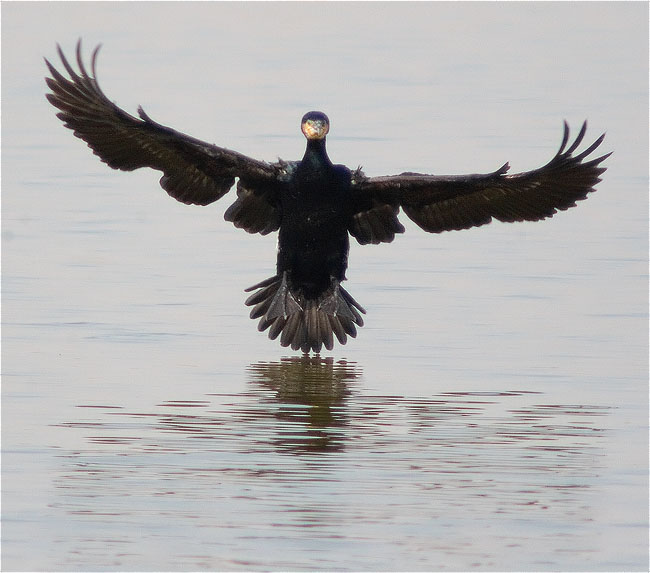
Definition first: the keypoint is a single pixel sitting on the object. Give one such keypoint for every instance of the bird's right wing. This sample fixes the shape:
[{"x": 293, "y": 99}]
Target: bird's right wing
[{"x": 194, "y": 172}]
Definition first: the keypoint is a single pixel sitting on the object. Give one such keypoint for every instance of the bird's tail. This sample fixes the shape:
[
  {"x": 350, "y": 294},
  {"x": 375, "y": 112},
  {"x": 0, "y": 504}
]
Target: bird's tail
[{"x": 301, "y": 322}]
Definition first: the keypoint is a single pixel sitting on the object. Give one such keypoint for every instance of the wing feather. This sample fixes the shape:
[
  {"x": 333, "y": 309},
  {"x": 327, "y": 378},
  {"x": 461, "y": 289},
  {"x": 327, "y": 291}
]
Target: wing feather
[
  {"x": 194, "y": 172},
  {"x": 440, "y": 203},
  {"x": 256, "y": 209}
]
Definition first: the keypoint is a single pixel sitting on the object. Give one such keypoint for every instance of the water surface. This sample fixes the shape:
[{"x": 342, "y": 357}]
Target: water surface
[{"x": 491, "y": 415}]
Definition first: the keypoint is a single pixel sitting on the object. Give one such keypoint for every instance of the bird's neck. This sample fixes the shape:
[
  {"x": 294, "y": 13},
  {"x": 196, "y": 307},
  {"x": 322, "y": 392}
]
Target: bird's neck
[{"x": 316, "y": 154}]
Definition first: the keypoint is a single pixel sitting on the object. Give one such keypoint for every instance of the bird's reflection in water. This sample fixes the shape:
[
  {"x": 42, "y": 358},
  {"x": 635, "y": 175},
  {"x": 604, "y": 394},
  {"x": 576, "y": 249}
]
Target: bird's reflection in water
[{"x": 307, "y": 395}]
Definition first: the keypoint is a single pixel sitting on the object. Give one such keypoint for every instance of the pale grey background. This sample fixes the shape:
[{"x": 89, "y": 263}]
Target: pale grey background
[{"x": 492, "y": 413}]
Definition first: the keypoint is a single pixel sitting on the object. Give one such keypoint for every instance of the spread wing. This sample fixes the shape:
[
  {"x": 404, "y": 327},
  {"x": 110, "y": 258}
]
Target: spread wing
[
  {"x": 194, "y": 172},
  {"x": 452, "y": 202}
]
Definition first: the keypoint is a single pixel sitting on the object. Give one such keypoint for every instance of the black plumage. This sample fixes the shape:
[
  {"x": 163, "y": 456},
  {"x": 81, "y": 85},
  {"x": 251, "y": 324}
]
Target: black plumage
[{"x": 314, "y": 204}]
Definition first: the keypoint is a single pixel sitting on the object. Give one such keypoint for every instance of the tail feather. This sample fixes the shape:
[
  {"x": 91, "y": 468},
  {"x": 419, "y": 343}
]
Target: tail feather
[
  {"x": 276, "y": 325},
  {"x": 304, "y": 323},
  {"x": 338, "y": 330}
]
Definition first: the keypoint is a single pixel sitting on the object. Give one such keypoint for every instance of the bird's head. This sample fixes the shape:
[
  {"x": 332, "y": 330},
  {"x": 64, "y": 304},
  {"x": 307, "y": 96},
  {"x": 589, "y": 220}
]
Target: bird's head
[{"x": 315, "y": 125}]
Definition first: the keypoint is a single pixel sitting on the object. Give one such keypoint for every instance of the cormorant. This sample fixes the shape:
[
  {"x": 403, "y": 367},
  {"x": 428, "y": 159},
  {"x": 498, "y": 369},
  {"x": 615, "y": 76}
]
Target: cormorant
[{"x": 314, "y": 204}]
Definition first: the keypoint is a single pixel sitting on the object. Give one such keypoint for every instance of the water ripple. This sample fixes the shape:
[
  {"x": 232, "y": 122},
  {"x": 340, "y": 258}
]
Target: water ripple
[{"x": 304, "y": 451}]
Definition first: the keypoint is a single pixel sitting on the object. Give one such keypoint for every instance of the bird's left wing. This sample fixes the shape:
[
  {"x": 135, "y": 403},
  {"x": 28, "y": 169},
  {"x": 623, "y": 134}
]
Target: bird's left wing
[
  {"x": 194, "y": 172},
  {"x": 452, "y": 202}
]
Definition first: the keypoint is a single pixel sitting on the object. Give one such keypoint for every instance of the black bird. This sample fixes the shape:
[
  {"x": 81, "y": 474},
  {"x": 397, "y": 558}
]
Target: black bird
[{"x": 314, "y": 204}]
